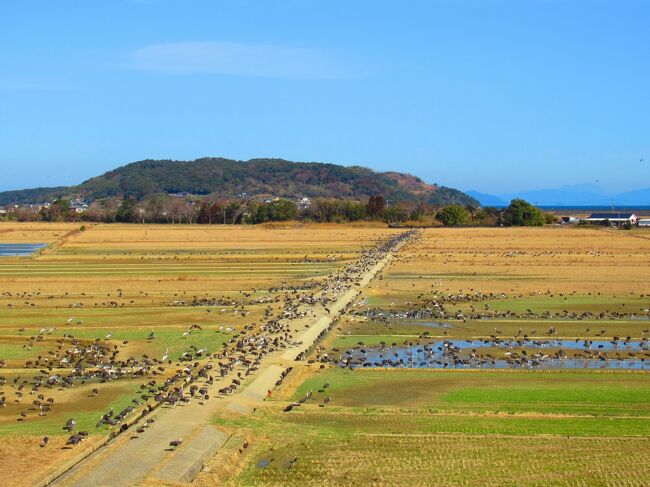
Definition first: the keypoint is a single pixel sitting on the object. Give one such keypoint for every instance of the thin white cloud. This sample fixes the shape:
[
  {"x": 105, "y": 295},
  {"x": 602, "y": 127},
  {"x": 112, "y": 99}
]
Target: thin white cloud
[{"x": 240, "y": 59}]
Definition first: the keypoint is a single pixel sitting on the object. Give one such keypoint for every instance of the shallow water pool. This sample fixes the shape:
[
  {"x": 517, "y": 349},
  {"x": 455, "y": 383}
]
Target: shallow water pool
[
  {"x": 472, "y": 354},
  {"x": 19, "y": 249}
]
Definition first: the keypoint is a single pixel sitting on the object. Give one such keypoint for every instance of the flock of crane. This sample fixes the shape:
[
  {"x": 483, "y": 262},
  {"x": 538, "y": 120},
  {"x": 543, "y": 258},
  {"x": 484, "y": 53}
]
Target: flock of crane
[{"x": 189, "y": 377}]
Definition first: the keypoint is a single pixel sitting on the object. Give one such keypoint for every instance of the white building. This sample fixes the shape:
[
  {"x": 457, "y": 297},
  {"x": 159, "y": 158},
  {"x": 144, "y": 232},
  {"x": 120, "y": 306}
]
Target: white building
[
  {"x": 614, "y": 218},
  {"x": 644, "y": 222}
]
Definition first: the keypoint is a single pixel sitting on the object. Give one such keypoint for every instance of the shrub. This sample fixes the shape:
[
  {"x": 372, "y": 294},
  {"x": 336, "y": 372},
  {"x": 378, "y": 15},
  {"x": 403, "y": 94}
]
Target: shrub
[
  {"x": 522, "y": 213},
  {"x": 453, "y": 215}
]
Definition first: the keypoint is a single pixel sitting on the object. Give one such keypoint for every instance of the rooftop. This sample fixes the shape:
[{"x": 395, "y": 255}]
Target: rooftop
[{"x": 612, "y": 216}]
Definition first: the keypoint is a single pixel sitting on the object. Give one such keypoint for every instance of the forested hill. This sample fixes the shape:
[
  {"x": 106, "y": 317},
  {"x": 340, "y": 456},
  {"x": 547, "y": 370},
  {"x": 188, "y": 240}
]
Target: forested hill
[{"x": 257, "y": 177}]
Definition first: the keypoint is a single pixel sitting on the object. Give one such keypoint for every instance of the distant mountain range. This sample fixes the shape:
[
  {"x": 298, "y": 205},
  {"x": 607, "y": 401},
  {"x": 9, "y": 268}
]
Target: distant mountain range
[
  {"x": 577, "y": 195},
  {"x": 257, "y": 177}
]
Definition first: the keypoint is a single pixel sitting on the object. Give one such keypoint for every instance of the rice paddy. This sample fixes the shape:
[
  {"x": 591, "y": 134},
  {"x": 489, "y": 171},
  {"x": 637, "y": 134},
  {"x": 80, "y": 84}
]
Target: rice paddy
[
  {"x": 165, "y": 291},
  {"x": 146, "y": 293},
  {"x": 499, "y": 292}
]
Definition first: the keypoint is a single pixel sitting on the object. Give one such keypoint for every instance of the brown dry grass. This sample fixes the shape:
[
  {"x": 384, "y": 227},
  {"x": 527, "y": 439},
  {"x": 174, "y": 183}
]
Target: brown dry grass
[
  {"x": 178, "y": 259},
  {"x": 521, "y": 260},
  {"x": 23, "y": 462},
  {"x": 227, "y": 237},
  {"x": 36, "y": 232}
]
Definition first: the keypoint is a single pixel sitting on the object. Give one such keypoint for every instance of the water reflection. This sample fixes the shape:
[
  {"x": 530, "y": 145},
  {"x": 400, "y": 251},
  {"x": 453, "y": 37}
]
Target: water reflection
[{"x": 504, "y": 354}]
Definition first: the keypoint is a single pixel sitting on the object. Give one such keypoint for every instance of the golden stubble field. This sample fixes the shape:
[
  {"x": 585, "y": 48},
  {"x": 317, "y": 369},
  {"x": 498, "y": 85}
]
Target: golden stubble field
[
  {"x": 524, "y": 260},
  {"x": 136, "y": 289},
  {"x": 35, "y": 232}
]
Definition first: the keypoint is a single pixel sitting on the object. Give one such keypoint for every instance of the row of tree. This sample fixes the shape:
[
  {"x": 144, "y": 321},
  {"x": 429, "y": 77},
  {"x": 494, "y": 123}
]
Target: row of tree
[
  {"x": 518, "y": 213},
  {"x": 166, "y": 209}
]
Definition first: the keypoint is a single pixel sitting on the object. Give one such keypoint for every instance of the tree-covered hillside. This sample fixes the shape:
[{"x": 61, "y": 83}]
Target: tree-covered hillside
[{"x": 257, "y": 177}]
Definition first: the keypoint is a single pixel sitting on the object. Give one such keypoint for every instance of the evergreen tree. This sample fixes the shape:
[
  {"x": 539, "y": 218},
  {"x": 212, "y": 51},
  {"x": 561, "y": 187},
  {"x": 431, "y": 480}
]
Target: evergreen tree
[
  {"x": 126, "y": 211},
  {"x": 453, "y": 215},
  {"x": 522, "y": 213}
]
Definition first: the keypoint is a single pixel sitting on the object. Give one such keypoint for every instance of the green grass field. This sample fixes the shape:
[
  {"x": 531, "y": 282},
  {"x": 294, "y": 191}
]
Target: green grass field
[
  {"x": 77, "y": 403},
  {"x": 546, "y": 392}
]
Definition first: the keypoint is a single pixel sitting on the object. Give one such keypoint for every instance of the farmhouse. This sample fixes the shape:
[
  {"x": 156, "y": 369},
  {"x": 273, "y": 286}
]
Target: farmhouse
[
  {"x": 78, "y": 206},
  {"x": 614, "y": 218}
]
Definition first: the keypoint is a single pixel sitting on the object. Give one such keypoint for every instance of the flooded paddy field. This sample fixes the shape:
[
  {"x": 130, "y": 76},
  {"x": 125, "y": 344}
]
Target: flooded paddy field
[{"x": 486, "y": 354}]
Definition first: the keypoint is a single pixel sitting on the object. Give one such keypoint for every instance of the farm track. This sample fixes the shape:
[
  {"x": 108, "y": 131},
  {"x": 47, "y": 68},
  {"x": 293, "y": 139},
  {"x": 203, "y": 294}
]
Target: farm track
[
  {"x": 129, "y": 459},
  {"x": 61, "y": 241}
]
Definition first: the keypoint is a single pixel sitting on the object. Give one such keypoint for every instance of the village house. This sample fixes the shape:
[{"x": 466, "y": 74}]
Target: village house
[{"x": 78, "y": 206}]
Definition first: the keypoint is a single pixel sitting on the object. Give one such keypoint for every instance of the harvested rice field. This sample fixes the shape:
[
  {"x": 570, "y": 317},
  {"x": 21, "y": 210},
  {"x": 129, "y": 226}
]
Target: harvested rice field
[
  {"x": 482, "y": 356},
  {"x": 479, "y": 356},
  {"x": 117, "y": 306},
  {"x": 314, "y": 451}
]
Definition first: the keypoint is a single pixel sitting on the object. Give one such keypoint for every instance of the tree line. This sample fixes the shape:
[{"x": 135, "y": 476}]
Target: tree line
[
  {"x": 162, "y": 208},
  {"x": 518, "y": 213}
]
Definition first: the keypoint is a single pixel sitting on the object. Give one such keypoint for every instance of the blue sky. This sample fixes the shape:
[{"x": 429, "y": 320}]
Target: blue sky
[{"x": 494, "y": 95}]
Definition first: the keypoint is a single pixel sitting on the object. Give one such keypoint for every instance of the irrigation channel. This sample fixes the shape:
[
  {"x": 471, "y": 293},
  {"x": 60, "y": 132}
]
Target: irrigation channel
[{"x": 504, "y": 354}]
